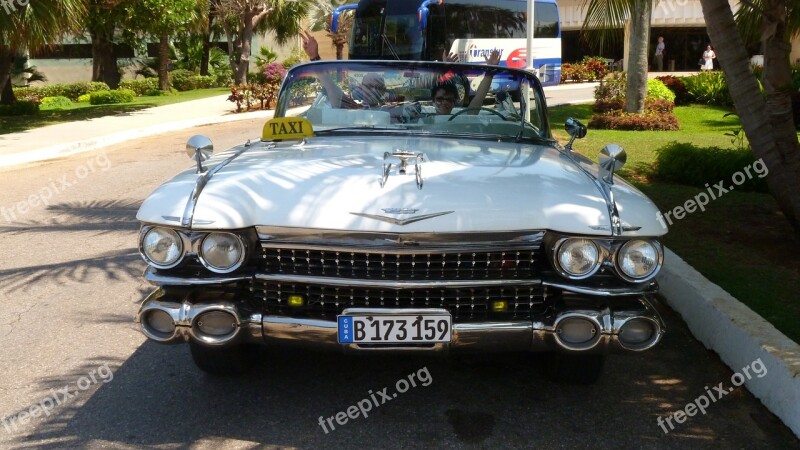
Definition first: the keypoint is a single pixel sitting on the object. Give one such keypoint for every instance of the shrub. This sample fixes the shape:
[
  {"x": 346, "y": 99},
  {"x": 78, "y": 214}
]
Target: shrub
[
  {"x": 20, "y": 108},
  {"x": 84, "y": 98},
  {"x": 29, "y": 94},
  {"x": 677, "y": 87},
  {"x": 596, "y": 67},
  {"x": 695, "y": 166},
  {"x": 156, "y": 93},
  {"x": 139, "y": 86},
  {"x": 618, "y": 120},
  {"x": 709, "y": 88},
  {"x": 612, "y": 88},
  {"x": 59, "y": 102},
  {"x": 72, "y": 91},
  {"x": 202, "y": 81},
  {"x": 658, "y": 105},
  {"x": 657, "y": 89},
  {"x": 111, "y": 97},
  {"x": 182, "y": 79}
]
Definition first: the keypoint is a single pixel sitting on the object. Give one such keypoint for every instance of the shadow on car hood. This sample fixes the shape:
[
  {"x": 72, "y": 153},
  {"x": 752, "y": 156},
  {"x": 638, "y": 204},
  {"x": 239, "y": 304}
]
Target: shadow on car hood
[{"x": 334, "y": 182}]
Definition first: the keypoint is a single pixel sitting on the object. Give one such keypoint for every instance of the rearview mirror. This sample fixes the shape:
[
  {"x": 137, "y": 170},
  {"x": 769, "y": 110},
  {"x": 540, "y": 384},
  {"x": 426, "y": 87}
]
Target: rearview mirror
[
  {"x": 199, "y": 148},
  {"x": 576, "y": 130},
  {"x": 612, "y": 158}
]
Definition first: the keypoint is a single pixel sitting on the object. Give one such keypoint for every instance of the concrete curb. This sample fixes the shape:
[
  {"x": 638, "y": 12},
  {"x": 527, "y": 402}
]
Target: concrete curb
[
  {"x": 71, "y": 148},
  {"x": 738, "y": 335},
  {"x": 573, "y": 102}
]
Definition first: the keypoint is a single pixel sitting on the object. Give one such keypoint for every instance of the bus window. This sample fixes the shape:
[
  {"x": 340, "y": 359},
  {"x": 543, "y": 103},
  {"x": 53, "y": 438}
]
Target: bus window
[{"x": 545, "y": 16}]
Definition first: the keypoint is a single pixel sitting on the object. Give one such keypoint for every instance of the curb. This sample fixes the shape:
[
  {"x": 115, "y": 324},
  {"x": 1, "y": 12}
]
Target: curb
[
  {"x": 738, "y": 335},
  {"x": 72, "y": 148},
  {"x": 573, "y": 102}
]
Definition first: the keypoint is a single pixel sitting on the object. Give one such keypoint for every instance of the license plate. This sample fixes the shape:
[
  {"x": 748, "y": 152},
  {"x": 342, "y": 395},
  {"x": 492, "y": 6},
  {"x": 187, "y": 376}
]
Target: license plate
[{"x": 394, "y": 329}]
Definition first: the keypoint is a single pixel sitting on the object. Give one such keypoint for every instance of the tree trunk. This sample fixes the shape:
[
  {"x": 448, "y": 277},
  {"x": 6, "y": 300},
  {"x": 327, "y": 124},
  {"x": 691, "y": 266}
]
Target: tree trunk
[
  {"x": 6, "y": 64},
  {"x": 104, "y": 58},
  {"x": 339, "y": 51},
  {"x": 206, "y": 54},
  {"x": 163, "y": 61},
  {"x": 636, "y": 85},
  {"x": 765, "y": 129},
  {"x": 242, "y": 67}
]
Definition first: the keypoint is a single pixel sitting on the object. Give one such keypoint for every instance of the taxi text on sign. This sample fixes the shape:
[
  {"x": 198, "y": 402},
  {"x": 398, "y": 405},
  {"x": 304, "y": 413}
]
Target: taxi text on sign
[{"x": 286, "y": 128}]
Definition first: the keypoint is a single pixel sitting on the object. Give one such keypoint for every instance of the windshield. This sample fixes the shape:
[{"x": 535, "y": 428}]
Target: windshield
[
  {"x": 386, "y": 31},
  {"x": 434, "y": 98}
]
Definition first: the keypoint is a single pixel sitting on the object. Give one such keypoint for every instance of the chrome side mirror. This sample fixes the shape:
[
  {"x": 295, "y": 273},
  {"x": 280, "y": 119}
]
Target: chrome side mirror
[
  {"x": 199, "y": 148},
  {"x": 612, "y": 158},
  {"x": 575, "y": 129}
]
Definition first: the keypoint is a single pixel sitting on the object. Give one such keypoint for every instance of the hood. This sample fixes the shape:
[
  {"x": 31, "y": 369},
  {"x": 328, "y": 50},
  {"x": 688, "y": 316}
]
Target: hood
[{"x": 334, "y": 182}]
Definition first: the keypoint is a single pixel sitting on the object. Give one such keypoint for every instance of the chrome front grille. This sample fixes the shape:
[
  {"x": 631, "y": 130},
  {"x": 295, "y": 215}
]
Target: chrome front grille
[
  {"x": 403, "y": 265},
  {"x": 464, "y": 303}
]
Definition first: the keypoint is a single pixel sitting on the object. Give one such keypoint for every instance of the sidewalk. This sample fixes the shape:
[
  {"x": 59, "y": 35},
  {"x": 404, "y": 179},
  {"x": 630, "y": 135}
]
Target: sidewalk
[
  {"x": 64, "y": 139},
  {"x": 56, "y": 141}
]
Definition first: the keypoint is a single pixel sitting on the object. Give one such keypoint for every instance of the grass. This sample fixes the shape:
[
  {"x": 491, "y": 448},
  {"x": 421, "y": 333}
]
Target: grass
[
  {"x": 84, "y": 111},
  {"x": 741, "y": 242}
]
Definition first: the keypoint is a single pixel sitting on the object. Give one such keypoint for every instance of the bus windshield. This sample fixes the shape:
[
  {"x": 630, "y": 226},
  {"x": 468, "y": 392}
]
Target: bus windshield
[
  {"x": 470, "y": 29},
  {"x": 386, "y": 30}
]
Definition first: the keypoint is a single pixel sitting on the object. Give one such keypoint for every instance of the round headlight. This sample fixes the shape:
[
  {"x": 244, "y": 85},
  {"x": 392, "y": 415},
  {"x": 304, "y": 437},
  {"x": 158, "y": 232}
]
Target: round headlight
[
  {"x": 578, "y": 258},
  {"x": 162, "y": 247},
  {"x": 222, "y": 252},
  {"x": 638, "y": 260}
]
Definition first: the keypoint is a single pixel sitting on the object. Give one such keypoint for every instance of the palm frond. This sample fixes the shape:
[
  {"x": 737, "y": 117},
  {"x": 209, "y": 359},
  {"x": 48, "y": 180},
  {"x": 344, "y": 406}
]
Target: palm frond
[{"x": 604, "y": 18}]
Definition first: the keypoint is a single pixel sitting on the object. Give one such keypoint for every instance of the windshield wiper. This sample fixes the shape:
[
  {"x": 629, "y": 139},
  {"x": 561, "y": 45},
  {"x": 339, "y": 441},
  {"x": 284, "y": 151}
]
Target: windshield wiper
[
  {"x": 358, "y": 128},
  {"x": 391, "y": 47}
]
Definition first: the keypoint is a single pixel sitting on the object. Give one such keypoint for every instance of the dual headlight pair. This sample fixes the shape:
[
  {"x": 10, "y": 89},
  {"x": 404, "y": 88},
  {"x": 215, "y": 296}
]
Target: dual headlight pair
[
  {"x": 636, "y": 260},
  {"x": 165, "y": 248}
]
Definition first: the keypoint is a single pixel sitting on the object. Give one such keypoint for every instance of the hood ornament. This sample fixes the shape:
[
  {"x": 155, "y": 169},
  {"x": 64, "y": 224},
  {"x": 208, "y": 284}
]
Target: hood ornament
[
  {"x": 401, "y": 222},
  {"x": 404, "y": 157},
  {"x": 399, "y": 210}
]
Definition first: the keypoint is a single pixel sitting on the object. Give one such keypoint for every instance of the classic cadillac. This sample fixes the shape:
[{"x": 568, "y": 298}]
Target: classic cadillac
[{"x": 397, "y": 207}]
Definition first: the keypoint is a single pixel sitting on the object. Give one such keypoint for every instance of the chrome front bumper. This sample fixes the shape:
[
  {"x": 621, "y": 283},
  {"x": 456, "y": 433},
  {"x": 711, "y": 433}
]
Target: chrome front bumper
[{"x": 543, "y": 335}]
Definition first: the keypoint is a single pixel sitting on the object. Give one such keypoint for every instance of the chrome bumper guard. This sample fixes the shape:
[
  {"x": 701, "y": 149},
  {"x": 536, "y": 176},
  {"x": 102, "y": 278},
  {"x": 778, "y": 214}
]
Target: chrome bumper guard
[{"x": 599, "y": 329}]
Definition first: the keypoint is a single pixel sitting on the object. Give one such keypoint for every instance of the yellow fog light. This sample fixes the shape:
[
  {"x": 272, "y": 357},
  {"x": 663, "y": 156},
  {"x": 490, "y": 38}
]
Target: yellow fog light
[
  {"x": 296, "y": 301},
  {"x": 499, "y": 306}
]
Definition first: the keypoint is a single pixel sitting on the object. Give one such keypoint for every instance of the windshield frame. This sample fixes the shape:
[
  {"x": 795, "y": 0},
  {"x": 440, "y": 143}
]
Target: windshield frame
[{"x": 531, "y": 81}]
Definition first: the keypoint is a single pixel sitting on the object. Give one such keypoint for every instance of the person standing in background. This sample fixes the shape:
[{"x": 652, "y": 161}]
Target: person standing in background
[
  {"x": 660, "y": 47},
  {"x": 708, "y": 58}
]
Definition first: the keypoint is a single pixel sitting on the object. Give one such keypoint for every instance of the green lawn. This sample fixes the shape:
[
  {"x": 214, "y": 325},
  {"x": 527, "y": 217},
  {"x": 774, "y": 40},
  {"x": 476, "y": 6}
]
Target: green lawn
[
  {"x": 83, "y": 111},
  {"x": 741, "y": 242}
]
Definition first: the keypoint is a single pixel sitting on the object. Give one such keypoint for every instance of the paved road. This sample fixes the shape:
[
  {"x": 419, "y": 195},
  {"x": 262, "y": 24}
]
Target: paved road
[{"x": 69, "y": 287}]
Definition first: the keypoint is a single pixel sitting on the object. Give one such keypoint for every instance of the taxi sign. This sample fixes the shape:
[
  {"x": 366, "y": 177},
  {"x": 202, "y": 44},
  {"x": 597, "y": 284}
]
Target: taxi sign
[{"x": 286, "y": 128}]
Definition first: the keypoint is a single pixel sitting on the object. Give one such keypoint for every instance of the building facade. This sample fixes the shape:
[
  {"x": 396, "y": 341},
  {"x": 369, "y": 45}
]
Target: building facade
[{"x": 680, "y": 22}]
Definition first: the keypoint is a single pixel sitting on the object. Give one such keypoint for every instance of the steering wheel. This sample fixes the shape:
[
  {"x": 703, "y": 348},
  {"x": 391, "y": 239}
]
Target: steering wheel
[{"x": 476, "y": 108}]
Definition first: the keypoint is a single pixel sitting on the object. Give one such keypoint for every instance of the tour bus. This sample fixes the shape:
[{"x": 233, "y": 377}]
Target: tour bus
[{"x": 428, "y": 29}]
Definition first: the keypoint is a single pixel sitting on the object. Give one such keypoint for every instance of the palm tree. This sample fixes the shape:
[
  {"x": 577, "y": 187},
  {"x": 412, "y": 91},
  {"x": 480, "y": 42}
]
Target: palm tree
[
  {"x": 602, "y": 17},
  {"x": 320, "y": 19},
  {"x": 767, "y": 120},
  {"x": 32, "y": 27},
  {"x": 242, "y": 18}
]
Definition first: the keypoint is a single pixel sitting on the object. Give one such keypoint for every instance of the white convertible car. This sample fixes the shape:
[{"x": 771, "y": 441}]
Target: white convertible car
[{"x": 400, "y": 206}]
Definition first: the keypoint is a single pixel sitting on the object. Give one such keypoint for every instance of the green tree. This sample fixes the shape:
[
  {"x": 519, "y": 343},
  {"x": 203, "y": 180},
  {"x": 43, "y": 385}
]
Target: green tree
[
  {"x": 102, "y": 21},
  {"x": 162, "y": 19},
  {"x": 242, "y": 18},
  {"x": 603, "y": 17},
  {"x": 766, "y": 119},
  {"x": 320, "y": 19},
  {"x": 32, "y": 26}
]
